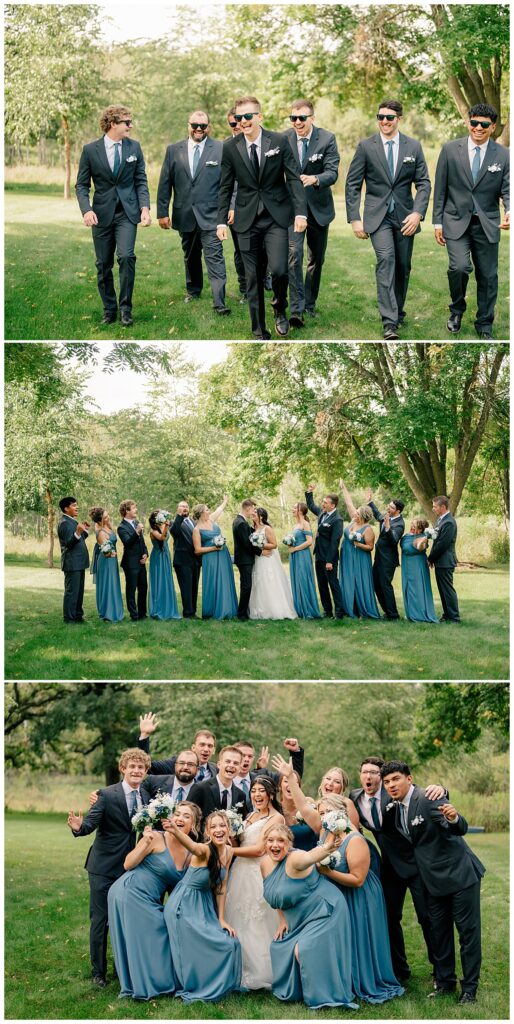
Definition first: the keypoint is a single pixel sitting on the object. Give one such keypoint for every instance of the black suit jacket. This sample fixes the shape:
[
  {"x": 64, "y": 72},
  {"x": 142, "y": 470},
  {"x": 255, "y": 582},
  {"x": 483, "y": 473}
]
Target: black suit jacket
[
  {"x": 278, "y": 186},
  {"x": 445, "y": 862},
  {"x": 323, "y": 161},
  {"x": 195, "y": 201},
  {"x": 442, "y": 553},
  {"x": 244, "y": 551},
  {"x": 74, "y": 553},
  {"x": 386, "y": 547},
  {"x": 369, "y": 165},
  {"x": 183, "y": 550},
  {"x": 166, "y": 765},
  {"x": 130, "y": 186},
  {"x": 115, "y": 836},
  {"x": 207, "y": 796},
  {"x": 455, "y": 193},
  {"x": 330, "y": 531},
  {"x": 134, "y": 546},
  {"x": 396, "y": 850}
]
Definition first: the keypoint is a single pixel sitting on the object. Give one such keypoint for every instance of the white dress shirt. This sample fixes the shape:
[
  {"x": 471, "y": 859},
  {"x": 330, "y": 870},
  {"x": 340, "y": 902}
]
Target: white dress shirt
[
  {"x": 471, "y": 150},
  {"x": 365, "y": 805},
  {"x": 191, "y": 146},
  {"x": 185, "y": 786},
  {"x": 128, "y": 791},
  {"x": 256, "y": 142},
  {"x": 222, "y": 789},
  {"x": 109, "y": 149},
  {"x": 300, "y": 139},
  {"x": 396, "y": 148},
  {"x": 77, "y": 535}
]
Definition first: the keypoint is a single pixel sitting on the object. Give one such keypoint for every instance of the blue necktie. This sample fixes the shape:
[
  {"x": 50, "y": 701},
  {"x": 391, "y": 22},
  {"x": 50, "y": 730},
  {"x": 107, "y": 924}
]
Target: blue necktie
[
  {"x": 305, "y": 146},
  {"x": 475, "y": 170},
  {"x": 196, "y": 160},
  {"x": 374, "y": 812},
  {"x": 180, "y": 794},
  {"x": 201, "y": 773},
  {"x": 117, "y": 158},
  {"x": 244, "y": 786},
  {"x": 133, "y": 807},
  {"x": 390, "y": 163}
]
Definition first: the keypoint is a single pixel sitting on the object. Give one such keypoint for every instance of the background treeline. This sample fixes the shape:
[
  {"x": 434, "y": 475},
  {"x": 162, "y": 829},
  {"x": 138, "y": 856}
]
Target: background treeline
[{"x": 61, "y": 738}]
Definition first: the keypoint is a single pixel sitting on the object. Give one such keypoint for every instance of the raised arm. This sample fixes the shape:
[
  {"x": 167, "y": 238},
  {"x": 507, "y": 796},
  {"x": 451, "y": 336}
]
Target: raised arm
[
  {"x": 309, "y": 813},
  {"x": 201, "y": 850},
  {"x": 347, "y": 498},
  {"x": 220, "y": 509},
  {"x": 145, "y": 846}
]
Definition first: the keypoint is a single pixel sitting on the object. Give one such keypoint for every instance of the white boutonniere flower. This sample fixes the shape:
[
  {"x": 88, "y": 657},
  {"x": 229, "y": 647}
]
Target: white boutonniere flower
[
  {"x": 131, "y": 159},
  {"x": 390, "y": 805},
  {"x": 409, "y": 159},
  {"x": 316, "y": 156},
  {"x": 211, "y": 163},
  {"x": 418, "y": 820},
  {"x": 494, "y": 168},
  {"x": 273, "y": 152}
]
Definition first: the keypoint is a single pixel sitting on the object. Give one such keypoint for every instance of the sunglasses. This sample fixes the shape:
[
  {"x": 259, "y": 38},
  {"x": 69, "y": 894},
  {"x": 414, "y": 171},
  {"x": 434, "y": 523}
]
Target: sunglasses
[
  {"x": 483, "y": 124},
  {"x": 195, "y": 125},
  {"x": 247, "y": 117},
  {"x": 387, "y": 117},
  {"x": 299, "y": 117},
  {"x": 233, "y": 124},
  {"x": 125, "y": 120}
]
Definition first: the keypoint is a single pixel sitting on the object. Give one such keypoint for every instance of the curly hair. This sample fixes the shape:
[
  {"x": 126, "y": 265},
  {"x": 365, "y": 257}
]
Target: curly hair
[
  {"x": 134, "y": 754},
  {"x": 113, "y": 115}
]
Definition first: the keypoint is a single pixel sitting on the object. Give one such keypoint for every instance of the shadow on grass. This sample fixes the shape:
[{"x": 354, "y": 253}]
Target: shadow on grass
[{"x": 33, "y": 189}]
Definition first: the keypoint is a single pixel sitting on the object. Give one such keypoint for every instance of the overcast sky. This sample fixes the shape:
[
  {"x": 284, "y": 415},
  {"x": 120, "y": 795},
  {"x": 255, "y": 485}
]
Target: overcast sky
[{"x": 146, "y": 21}]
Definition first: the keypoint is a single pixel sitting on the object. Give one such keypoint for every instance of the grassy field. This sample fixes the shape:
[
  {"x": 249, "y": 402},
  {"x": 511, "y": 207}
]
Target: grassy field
[
  {"x": 46, "y": 942},
  {"x": 39, "y": 645},
  {"x": 50, "y": 283}
]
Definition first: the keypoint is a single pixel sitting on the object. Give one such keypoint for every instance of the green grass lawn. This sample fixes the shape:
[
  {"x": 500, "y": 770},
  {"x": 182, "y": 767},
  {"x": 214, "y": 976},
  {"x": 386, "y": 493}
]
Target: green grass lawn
[
  {"x": 50, "y": 283},
  {"x": 40, "y": 646},
  {"x": 46, "y": 943}
]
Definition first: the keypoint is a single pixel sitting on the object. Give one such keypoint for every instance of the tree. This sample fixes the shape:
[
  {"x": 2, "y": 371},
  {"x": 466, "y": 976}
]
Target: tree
[{"x": 453, "y": 716}]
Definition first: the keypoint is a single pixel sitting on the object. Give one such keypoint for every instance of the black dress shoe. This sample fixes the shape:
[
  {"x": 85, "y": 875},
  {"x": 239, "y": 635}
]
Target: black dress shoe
[
  {"x": 191, "y": 298},
  {"x": 467, "y": 997},
  {"x": 296, "y": 320},
  {"x": 109, "y": 317},
  {"x": 453, "y": 323},
  {"x": 262, "y": 335},
  {"x": 99, "y": 981},
  {"x": 222, "y": 310},
  {"x": 438, "y": 992},
  {"x": 485, "y": 335},
  {"x": 313, "y": 313},
  {"x": 126, "y": 318},
  {"x": 268, "y": 283},
  {"x": 390, "y": 333},
  {"x": 281, "y": 325}
]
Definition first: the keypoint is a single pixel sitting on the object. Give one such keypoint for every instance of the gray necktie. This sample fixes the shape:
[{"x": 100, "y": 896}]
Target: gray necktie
[
  {"x": 390, "y": 163},
  {"x": 196, "y": 160},
  {"x": 475, "y": 166},
  {"x": 403, "y": 819}
]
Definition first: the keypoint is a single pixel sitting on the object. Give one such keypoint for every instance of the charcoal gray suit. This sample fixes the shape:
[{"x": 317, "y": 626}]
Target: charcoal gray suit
[
  {"x": 74, "y": 562},
  {"x": 443, "y": 557}
]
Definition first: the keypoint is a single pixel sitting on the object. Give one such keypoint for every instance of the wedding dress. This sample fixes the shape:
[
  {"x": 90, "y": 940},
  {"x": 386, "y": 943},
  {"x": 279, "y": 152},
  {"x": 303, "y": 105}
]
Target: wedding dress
[{"x": 271, "y": 596}]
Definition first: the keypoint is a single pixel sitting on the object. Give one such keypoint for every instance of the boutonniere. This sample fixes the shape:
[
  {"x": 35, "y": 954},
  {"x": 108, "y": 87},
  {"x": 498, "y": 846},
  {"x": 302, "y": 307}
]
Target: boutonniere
[
  {"x": 418, "y": 820},
  {"x": 239, "y": 804},
  {"x": 316, "y": 156},
  {"x": 409, "y": 159},
  {"x": 390, "y": 806},
  {"x": 493, "y": 168},
  {"x": 131, "y": 159},
  {"x": 211, "y": 163},
  {"x": 273, "y": 152}
]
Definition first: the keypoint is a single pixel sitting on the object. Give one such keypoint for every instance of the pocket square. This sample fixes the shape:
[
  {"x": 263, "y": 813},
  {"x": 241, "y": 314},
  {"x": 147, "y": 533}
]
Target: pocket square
[
  {"x": 211, "y": 163},
  {"x": 494, "y": 168},
  {"x": 409, "y": 159},
  {"x": 131, "y": 159},
  {"x": 316, "y": 156},
  {"x": 273, "y": 152}
]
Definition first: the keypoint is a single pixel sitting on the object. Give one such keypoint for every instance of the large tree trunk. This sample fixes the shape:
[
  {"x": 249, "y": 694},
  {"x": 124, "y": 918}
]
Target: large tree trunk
[
  {"x": 67, "y": 158},
  {"x": 51, "y": 525},
  {"x": 504, "y": 137}
]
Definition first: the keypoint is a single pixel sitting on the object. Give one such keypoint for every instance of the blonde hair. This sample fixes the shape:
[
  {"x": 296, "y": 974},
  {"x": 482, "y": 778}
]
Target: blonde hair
[
  {"x": 134, "y": 754},
  {"x": 198, "y": 510},
  {"x": 282, "y": 828},
  {"x": 214, "y": 814},
  {"x": 195, "y": 811},
  {"x": 364, "y": 512},
  {"x": 344, "y": 778},
  {"x": 334, "y": 801}
]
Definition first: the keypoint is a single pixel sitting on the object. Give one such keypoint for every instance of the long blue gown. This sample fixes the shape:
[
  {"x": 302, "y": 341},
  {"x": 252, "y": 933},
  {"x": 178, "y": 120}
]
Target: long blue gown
[
  {"x": 320, "y": 925},
  {"x": 356, "y": 579},
  {"x": 304, "y": 837},
  {"x": 206, "y": 960},
  {"x": 139, "y": 936},
  {"x": 302, "y": 578},
  {"x": 372, "y": 970},
  {"x": 416, "y": 586},
  {"x": 108, "y": 591},
  {"x": 219, "y": 599},
  {"x": 163, "y": 600}
]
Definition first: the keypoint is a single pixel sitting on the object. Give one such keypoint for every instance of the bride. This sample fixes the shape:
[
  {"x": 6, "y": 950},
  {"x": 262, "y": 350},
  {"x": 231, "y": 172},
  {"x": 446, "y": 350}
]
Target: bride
[
  {"x": 246, "y": 911},
  {"x": 271, "y": 596}
]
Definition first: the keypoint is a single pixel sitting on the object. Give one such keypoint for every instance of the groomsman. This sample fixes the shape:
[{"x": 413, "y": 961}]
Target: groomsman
[
  {"x": 191, "y": 171},
  {"x": 392, "y": 528},
  {"x": 245, "y": 554},
  {"x": 270, "y": 197},
  {"x": 186, "y": 564},
  {"x": 133, "y": 562},
  {"x": 111, "y": 817},
  {"x": 221, "y": 792},
  {"x": 326, "y": 551},
  {"x": 472, "y": 175},
  {"x": 317, "y": 161},
  {"x": 74, "y": 559},
  {"x": 443, "y": 558},
  {"x": 235, "y": 129},
  {"x": 247, "y": 776},
  {"x": 203, "y": 746},
  {"x": 451, "y": 873},
  {"x": 390, "y": 164},
  {"x": 177, "y": 783},
  {"x": 116, "y": 166}
]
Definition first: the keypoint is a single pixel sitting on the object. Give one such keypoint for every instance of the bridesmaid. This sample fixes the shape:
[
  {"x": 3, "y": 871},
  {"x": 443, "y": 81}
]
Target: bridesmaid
[
  {"x": 163, "y": 600},
  {"x": 105, "y": 568},
  {"x": 301, "y": 568},
  {"x": 139, "y": 936},
  {"x": 304, "y": 837},
  {"x": 355, "y": 569},
  {"x": 219, "y": 600},
  {"x": 205, "y": 950},
  {"x": 333, "y": 784},
  {"x": 418, "y": 600},
  {"x": 309, "y": 956},
  {"x": 372, "y": 970}
]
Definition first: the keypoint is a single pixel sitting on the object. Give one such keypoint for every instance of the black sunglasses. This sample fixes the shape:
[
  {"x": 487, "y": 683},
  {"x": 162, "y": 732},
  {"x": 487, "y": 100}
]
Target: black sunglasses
[
  {"x": 299, "y": 117},
  {"x": 125, "y": 120},
  {"x": 247, "y": 117},
  {"x": 233, "y": 124},
  {"x": 386, "y": 117},
  {"x": 483, "y": 124},
  {"x": 194, "y": 125}
]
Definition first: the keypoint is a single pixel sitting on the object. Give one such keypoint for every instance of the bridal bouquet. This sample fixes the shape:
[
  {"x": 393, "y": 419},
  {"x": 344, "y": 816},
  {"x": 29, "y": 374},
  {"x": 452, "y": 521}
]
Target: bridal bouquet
[
  {"x": 141, "y": 820},
  {"x": 219, "y": 541},
  {"x": 332, "y": 860},
  {"x": 161, "y": 807},
  {"x": 258, "y": 540},
  {"x": 236, "y": 822},
  {"x": 430, "y": 532},
  {"x": 289, "y": 540},
  {"x": 354, "y": 535},
  {"x": 107, "y": 548},
  {"x": 336, "y": 822},
  {"x": 163, "y": 516}
]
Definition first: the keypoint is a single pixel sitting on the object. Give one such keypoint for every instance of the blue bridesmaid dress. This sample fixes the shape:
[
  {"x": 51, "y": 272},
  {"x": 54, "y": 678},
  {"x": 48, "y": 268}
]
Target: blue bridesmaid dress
[
  {"x": 356, "y": 580},
  {"x": 163, "y": 600},
  {"x": 219, "y": 599},
  {"x": 206, "y": 959},
  {"x": 139, "y": 936},
  {"x": 302, "y": 578},
  {"x": 304, "y": 837},
  {"x": 108, "y": 590},
  {"x": 372, "y": 970},
  {"x": 418, "y": 600},
  {"x": 320, "y": 925}
]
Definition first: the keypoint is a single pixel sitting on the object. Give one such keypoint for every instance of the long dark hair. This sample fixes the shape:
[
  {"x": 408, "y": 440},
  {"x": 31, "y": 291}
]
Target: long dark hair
[
  {"x": 263, "y": 515},
  {"x": 214, "y": 864},
  {"x": 269, "y": 785}
]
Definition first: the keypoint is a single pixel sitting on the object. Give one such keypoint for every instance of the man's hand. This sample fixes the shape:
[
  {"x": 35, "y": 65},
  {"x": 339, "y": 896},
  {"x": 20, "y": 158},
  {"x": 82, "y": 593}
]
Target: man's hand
[
  {"x": 369, "y": 495},
  {"x": 329, "y": 566},
  {"x": 410, "y": 223},
  {"x": 439, "y": 237},
  {"x": 449, "y": 812},
  {"x": 146, "y": 220},
  {"x": 90, "y": 219},
  {"x": 230, "y": 218},
  {"x": 291, "y": 744},
  {"x": 387, "y": 521},
  {"x": 93, "y": 797},
  {"x": 434, "y": 792},
  {"x": 164, "y": 223},
  {"x": 505, "y": 224},
  {"x": 75, "y": 820},
  {"x": 300, "y": 224},
  {"x": 147, "y": 725},
  {"x": 267, "y": 552},
  {"x": 222, "y": 233},
  {"x": 358, "y": 229},
  {"x": 311, "y": 488},
  {"x": 139, "y": 528},
  {"x": 81, "y": 528},
  {"x": 308, "y": 179},
  {"x": 143, "y": 559},
  {"x": 263, "y": 758}
]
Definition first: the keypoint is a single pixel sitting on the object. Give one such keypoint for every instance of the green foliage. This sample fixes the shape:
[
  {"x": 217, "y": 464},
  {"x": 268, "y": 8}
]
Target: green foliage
[
  {"x": 500, "y": 548},
  {"x": 454, "y": 717}
]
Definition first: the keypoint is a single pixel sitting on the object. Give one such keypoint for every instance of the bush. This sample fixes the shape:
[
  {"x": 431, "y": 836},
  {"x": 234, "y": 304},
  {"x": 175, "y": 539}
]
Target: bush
[{"x": 500, "y": 548}]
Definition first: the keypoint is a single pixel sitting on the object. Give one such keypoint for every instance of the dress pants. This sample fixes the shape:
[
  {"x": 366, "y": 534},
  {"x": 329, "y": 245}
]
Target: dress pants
[
  {"x": 448, "y": 594},
  {"x": 383, "y": 583},
  {"x": 461, "y": 908},
  {"x": 474, "y": 245},
  {"x": 135, "y": 579},
  {"x": 327, "y": 583},
  {"x": 394, "y": 254},
  {"x": 73, "y": 595},
  {"x": 120, "y": 238},
  {"x": 99, "y": 886},
  {"x": 188, "y": 577},
  {"x": 395, "y": 889},
  {"x": 193, "y": 244},
  {"x": 303, "y": 296},
  {"x": 238, "y": 262},
  {"x": 264, "y": 240},
  {"x": 245, "y": 589}
]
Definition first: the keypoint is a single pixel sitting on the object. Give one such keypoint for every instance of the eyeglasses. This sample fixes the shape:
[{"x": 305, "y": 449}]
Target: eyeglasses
[
  {"x": 124, "y": 120},
  {"x": 247, "y": 117},
  {"x": 367, "y": 772},
  {"x": 299, "y": 117},
  {"x": 387, "y": 117},
  {"x": 233, "y": 124},
  {"x": 186, "y": 764},
  {"x": 483, "y": 124},
  {"x": 195, "y": 125}
]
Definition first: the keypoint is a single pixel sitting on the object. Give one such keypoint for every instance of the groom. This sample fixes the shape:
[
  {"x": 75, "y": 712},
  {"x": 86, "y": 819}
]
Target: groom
[
  {"x": 326, "y": 551},
  {"x": 74, "y": 558},
  {"x": 133, "y": 563},
  {"x": 244, "y": 554}
]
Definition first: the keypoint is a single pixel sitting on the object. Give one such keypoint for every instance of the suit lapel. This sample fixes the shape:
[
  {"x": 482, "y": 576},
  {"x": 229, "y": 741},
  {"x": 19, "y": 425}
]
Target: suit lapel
[
  {"x": 102, "y": 156},
  {"x": 313, "y": 142},
  {"x": 464, "y": 156},
  {"x": 209, "y": 145},
  {"x": 381, "y": 157},
  {"x": 489, "y": 155},
  {"x": 265, "y": 145},
  {"x": 120, "y": 797},
  {"x": 184, "y": 157},
  {"x": 241, "y": 145},
  {"x": 402, "y": 151}
]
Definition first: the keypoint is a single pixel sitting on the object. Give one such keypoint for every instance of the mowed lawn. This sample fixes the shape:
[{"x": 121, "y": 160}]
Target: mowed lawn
[
  {"x": 46, "y": 944},
  {"x": 51, "y": 293},
  {"x": 39, "y": 645}
]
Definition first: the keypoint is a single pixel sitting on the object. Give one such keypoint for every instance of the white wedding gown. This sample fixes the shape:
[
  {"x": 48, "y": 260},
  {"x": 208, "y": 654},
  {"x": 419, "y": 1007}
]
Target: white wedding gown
[
  {"x": 254, "y": 921},
  {"x": 271, "y": 596}
]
